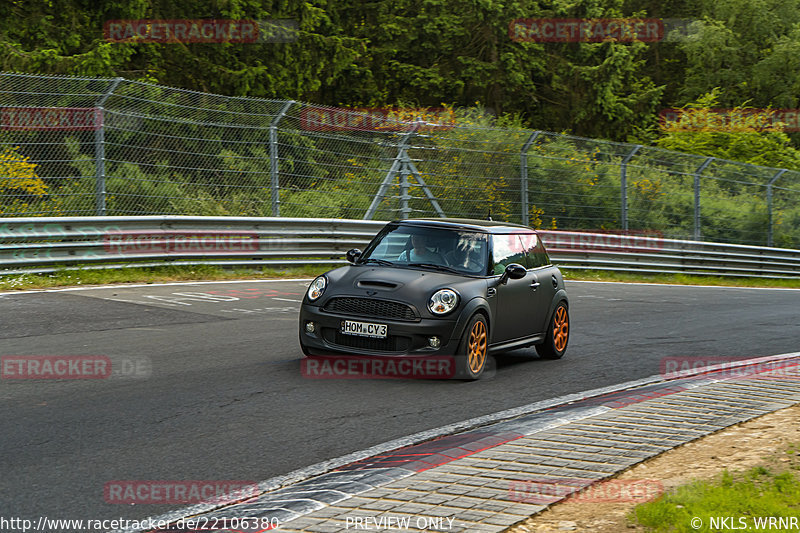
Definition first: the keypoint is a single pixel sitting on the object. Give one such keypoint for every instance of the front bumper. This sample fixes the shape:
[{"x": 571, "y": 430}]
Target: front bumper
[{"x": 404, "y": 338}]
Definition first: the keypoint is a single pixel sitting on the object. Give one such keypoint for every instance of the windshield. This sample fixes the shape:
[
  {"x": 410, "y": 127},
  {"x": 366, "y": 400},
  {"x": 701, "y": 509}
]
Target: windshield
[{"x": 414, "y": 246}]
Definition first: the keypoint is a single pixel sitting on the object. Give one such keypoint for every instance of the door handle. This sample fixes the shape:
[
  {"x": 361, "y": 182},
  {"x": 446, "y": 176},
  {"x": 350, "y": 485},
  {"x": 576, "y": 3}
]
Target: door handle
[{"x": 535, "y": 285}]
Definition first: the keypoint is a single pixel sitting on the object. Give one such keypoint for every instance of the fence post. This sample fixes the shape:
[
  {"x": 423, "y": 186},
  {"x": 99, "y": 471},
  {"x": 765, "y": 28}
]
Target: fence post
[
  {"x": 409, "y": 166},
  {"x": 100, "y": 151},
  {"x": 769, "y": 203},
  {"x": 273, "y": 160},
  {"x": 404, "y": 172},
  {"x": 523, "y": 176},
  {"x": 623, "y": 185},
  {"x": 697, "y": 173},
  {"x": 404, "y": 209},
  {"x": 399, "y": 163}
]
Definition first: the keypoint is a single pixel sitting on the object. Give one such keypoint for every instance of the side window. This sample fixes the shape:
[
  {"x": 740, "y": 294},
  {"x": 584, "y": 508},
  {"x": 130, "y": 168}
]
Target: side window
[
  {"x": 537, "y": 257},
  {"x": 507, "y": 249}
]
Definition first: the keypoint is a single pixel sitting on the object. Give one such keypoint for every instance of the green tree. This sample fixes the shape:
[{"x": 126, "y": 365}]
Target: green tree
[
  {"x": 738, "y": 46},
  {"x": 746, "y": 137},
  {"x": 66, "y": 37},
  {"x": 460, "y": 52}
]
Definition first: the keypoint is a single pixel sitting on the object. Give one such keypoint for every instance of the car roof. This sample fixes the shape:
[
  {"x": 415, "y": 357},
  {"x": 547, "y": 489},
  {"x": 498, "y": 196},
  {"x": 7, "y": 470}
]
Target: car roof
[{"x": 485, "y": 226}]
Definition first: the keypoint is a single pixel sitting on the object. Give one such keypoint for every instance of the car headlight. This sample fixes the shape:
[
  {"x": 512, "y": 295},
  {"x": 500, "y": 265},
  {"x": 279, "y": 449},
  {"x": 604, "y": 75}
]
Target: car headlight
[
  {"x": 316, "y": 288},
  {"x": 443, "y": 301}
]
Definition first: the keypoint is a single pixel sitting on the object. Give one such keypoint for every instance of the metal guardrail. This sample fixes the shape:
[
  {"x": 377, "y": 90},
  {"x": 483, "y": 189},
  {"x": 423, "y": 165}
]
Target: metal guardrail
[
  {"x": 78, "y": 146},
  {"x": 48, "y": 244},
  {"x": 40, "y": 245},
  {"x": 642, "y": 254}
]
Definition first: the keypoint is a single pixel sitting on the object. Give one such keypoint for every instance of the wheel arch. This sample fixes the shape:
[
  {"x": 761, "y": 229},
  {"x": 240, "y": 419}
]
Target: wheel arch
[
  {"x": 560, "y": 296},
  {"x": 474, "y": 306}
]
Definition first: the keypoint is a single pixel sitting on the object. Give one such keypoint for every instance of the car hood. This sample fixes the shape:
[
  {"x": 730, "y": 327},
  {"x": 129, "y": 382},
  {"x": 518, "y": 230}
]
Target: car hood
[{"x": 403, "y": 284}]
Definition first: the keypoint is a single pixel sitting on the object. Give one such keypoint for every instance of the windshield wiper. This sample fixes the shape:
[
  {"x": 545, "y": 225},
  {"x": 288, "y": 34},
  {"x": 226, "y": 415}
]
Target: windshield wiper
[
  {"x": 376, "y": 261},
  {"x": 436, "y": 267}
]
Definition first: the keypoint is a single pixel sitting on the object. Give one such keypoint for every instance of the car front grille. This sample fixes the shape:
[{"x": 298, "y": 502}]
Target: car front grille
[
  {"x": 392, "y": 343},
  {"x": 370, "y": 307}
]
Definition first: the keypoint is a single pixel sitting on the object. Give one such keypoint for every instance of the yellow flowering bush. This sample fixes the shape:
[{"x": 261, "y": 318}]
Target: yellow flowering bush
[{"x": 19, "y": 184}]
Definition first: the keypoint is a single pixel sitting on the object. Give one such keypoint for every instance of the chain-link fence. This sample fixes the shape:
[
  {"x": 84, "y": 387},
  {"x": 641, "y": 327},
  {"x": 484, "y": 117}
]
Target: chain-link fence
[{"x": 79, "y": 146}]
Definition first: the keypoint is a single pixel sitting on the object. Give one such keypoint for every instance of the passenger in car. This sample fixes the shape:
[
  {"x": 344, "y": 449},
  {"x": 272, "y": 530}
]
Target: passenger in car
[{"x": 468, "y": 255}]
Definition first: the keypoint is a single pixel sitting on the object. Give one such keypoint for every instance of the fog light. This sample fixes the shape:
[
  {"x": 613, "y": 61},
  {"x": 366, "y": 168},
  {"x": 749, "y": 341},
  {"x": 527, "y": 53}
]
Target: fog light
[
  {"x": 434, "y": 342},
  {"x": 310, "y": 327}
]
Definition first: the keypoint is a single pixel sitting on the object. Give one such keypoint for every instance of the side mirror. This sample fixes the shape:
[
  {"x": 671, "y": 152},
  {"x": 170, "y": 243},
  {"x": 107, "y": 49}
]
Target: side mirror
[
  {"x": 513, "y": 271},
  {"x": 353, "y": 255}
]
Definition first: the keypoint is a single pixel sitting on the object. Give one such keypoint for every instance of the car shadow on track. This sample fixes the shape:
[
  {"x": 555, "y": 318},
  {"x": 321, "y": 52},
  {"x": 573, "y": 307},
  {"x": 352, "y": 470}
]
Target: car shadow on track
[{"x": 521, "y": 356}]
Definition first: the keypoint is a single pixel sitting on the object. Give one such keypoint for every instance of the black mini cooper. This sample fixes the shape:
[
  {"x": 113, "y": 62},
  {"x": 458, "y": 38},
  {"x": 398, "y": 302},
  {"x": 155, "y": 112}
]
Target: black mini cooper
[{"x": 440, "y": 287}]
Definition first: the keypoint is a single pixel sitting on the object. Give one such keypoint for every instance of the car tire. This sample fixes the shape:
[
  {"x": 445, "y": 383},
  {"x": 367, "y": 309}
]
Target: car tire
[
  {"x": 473, "y": 350},
  {"x": 555, "y": 342}
]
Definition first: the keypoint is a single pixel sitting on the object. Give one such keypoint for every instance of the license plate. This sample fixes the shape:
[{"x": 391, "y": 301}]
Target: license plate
[{"x": 364, "y": 329}]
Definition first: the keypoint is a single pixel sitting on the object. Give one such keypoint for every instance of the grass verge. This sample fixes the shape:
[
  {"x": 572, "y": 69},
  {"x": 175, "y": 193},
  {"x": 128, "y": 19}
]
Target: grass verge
[
  {"x": 72, "y": 277},
  {"x": 679, "y": 279},
  {"x": 762, "y": 498},
  {"x": 167, "y": 273}
]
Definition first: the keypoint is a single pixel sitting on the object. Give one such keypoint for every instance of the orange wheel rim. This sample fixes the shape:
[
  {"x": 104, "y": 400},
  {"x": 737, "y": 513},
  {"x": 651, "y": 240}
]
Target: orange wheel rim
[
  {"x": 560, "y": 328},
  {"x": 476, "y": 351}
]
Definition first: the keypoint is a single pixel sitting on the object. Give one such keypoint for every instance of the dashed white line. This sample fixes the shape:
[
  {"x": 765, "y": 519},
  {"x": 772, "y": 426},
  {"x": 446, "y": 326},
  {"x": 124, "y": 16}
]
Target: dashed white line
[{"x": 136, "y": 285}]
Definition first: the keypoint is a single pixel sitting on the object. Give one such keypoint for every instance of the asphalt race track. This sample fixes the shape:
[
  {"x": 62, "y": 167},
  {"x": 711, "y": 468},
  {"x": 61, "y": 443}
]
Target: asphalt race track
[{"x": 211, "y": 387}]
